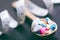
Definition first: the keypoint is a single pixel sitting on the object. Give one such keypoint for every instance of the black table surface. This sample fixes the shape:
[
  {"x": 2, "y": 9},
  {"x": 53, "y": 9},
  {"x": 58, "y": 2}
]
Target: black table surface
[{"x": 23, "y": 32}]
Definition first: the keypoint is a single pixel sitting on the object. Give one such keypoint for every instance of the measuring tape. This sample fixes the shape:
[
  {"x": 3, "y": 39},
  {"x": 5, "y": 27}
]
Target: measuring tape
[
  {"x": 56, "y": 1},
  {"x": 7, "y": 21},
  {"x": 21, "y": 5},
  {"x": 39, "y": 11},
  {"x": 34, "y": 9}
]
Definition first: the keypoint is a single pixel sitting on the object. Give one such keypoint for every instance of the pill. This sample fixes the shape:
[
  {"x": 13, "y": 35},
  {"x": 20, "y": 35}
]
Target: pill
[
  {"x": 43, "y": 25},
  {"x": 52, "y": 26},
  {"x": 47, "y": 19},
  {"x": 42, "y": 30},
  {"x": 48, "y": 27}
]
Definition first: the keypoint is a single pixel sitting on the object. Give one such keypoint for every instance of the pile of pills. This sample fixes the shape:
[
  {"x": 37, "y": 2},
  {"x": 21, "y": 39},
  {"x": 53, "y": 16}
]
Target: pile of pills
[{"x": 46, "y": 27}]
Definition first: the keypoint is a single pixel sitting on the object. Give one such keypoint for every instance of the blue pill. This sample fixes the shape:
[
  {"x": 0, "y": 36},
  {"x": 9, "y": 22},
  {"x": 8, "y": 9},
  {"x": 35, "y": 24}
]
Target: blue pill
[
  {"x": 53, "y": 26},
  {"x": 47, "y": 19},
  {"x": 43, "y": 25}
]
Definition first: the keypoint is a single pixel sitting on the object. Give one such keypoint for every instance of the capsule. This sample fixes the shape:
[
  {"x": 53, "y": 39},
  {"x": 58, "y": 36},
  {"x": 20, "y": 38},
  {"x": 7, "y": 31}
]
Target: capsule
[
  {"x": 52, "y": 27},
  {"x": 42, "y": 30}
]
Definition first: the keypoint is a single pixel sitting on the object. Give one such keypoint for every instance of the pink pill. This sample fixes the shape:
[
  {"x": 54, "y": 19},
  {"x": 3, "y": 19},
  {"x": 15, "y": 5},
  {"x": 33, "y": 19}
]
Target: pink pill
[{"x": 42, "y": 30}]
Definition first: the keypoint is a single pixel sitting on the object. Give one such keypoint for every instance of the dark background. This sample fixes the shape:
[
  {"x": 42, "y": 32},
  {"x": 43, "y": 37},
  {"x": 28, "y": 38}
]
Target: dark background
[{"x": 23, "y": 32}]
